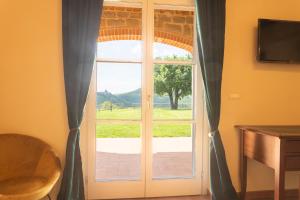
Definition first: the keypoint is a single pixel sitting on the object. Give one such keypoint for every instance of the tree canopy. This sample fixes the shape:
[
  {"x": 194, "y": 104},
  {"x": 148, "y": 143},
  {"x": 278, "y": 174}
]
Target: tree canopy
[{"x": 174, "y": 80}]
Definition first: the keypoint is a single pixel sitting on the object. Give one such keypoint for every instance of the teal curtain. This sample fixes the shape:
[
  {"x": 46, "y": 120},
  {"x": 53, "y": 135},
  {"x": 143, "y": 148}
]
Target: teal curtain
[
  {"x": 210, "y": 16},
  {"x": 81, "y": 21}
]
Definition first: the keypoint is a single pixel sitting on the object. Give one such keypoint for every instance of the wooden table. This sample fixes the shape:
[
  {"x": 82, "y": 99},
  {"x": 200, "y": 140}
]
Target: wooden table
[{"x": 275, "y": 146}]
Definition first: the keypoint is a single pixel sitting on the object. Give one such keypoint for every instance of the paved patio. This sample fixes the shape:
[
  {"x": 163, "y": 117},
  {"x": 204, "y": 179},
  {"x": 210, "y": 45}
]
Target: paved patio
[{"x": 119, "y": 158}]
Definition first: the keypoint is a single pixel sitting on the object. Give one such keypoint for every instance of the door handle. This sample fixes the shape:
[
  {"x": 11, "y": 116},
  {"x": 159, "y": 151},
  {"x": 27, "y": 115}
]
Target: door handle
[{"x": 149, "y": 101}]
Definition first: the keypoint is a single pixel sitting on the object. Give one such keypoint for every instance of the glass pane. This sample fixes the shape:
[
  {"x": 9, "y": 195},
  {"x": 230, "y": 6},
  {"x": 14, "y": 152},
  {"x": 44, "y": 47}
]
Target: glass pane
[
  {"x": 120, "y": 34},
  {"x": 168, "y": 52},
  {"x": 120, "y": 49},
  {"x": 173, "y": 34},
  {"x": 172, "y": 151},
  {"x": 118, "y": 152},
  {"x": 118, "y": 91},
  {"x": 173, "y": 97}
]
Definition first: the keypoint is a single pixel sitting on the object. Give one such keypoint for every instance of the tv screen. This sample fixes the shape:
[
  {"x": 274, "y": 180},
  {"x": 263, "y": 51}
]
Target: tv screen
[{"x": 278, "y": 41}]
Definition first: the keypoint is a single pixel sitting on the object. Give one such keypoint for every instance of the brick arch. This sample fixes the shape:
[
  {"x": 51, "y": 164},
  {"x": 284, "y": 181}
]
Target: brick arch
[
  {"x": 171, "y": 39},
  {"x": 120, "y": 34},
  {"x": 171, "y": 27},
  {"x": 135, "y": 34}
]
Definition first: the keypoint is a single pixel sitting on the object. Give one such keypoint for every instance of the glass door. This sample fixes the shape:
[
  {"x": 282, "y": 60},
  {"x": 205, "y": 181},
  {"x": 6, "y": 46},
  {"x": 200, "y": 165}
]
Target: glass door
[
  {"x": 116, "y": 157},
  {"x": 145, "y": 110},
  {"x": 174, "y": 148}
]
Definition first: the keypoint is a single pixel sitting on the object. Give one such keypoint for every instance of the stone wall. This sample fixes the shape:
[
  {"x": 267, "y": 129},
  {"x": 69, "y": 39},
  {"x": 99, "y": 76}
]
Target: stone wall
[
  {"x": 174, "y": 28},
  {"x": 171, "y": 27}
]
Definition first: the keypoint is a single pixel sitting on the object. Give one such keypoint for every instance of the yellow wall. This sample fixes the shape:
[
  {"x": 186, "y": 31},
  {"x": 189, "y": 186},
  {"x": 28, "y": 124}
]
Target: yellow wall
[
  {"x": 269, "y": 93},
  {"x": 32, "y": 99},
  {"x": 32, "y": 96}
]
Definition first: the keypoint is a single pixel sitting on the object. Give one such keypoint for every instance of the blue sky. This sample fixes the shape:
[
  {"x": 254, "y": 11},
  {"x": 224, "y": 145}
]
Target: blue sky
[{"x": 121, "y": 78}]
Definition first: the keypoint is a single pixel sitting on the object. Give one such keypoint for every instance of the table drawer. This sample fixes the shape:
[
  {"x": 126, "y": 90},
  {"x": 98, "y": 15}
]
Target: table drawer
[
  {"x": 292, "y": 163},
  {"x": 292, "y": 146}
]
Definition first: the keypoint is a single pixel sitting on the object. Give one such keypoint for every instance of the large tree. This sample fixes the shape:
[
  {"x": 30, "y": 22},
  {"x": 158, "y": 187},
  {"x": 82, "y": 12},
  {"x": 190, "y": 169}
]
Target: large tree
[{"x": 174, "y": 80}]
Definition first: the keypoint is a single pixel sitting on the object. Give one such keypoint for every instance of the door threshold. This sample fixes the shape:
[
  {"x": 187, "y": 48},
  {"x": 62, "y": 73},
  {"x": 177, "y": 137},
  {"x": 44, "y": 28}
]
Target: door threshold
[{"x": 194, "y": 197}]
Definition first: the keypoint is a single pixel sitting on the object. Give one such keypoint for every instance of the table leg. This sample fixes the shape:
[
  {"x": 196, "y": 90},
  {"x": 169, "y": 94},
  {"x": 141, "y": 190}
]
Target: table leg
[
  {"x": 279, "y": 185},
  {"x": 243, "y": 168},
  {"x": 279, "y": 192},
  {"x": 299, "y": 190}
]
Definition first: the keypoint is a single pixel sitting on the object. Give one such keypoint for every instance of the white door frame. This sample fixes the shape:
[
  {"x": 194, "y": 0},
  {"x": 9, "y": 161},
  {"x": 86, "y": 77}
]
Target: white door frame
[{"x": 146, "y": 186}]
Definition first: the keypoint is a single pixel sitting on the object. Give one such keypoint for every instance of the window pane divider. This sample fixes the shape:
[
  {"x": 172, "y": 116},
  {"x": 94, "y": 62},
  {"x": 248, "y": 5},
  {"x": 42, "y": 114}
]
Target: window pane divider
[
  {"x": 174, "y": 121},
  {"x": 123, "y": 4},
  {"x": 173, "y": 62},
  {"x": 117, "y": 121},
  {"x": 101, "y": 60},
  {"x": 173, "y": 7},
  {"x": 133, "y": 121}
]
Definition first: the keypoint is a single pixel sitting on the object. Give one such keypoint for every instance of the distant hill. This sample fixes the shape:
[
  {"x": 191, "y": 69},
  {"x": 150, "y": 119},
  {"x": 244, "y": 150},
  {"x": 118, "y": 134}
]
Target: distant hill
[
  {"x": 124, "y": 100},
  {"x": 133, "y": 98}
]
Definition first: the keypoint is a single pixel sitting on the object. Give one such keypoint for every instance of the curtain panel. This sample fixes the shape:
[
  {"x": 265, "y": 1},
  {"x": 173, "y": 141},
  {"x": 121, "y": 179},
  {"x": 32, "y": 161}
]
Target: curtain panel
[
  {"x": 81, "y": 21},
  {"x": 210, "y": 17}
]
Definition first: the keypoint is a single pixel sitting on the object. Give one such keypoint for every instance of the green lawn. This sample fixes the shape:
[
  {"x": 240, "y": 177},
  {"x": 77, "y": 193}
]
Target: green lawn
[
  {"x": 135, "y": 113},
  {"x": 133, "y": 131}
]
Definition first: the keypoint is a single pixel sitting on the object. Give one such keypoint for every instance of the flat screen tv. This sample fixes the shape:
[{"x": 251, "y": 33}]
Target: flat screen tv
[{"x": 278, "y": 41}]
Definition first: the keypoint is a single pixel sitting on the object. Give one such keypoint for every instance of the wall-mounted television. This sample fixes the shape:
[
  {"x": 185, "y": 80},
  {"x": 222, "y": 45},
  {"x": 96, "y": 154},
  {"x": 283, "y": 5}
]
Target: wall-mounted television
[{"x": 278, "y": 41}]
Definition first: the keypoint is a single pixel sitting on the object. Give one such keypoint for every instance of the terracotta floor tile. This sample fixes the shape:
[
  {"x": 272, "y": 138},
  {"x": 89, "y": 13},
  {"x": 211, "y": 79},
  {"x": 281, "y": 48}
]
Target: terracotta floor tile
[
  {"x": 122, "y": 166},
  {"x": 176, "y": 198}
]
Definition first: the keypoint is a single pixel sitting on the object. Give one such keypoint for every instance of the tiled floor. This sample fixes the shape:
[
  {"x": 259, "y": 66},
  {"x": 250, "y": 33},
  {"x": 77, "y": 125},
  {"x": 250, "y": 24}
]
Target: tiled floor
[
  {"x": 177, "y": 198},
  {"x": 127, "y": 166},
  {"x": 119, "y": 158}
]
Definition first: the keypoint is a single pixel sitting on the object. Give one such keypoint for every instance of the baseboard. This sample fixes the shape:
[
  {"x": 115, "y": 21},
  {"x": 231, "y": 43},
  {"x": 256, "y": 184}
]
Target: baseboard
[{"x": 269, "y": 195}]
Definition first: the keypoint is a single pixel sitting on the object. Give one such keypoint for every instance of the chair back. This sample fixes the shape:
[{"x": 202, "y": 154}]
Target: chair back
[{"x": 19, "y": 155}]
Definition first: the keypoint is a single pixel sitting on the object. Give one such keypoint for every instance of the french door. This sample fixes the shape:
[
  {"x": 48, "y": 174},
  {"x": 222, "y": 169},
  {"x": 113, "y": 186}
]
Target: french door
[{"x": 145, "y": 109}]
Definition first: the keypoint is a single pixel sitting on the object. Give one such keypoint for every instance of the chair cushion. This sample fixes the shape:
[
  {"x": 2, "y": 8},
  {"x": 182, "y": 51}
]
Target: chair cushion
[
  {"x": 21, "y": 185},
  {"x": 29, "y": 167}
]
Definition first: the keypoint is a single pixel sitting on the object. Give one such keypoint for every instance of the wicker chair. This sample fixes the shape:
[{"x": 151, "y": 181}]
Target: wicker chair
[{"x": 29, "y": 168}]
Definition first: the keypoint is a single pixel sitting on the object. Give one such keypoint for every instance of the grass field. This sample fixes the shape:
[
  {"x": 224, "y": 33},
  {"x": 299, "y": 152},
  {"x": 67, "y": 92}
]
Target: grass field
[
  {"x": 133, "y": 131},
  {"x": 135, "y": 113}
]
